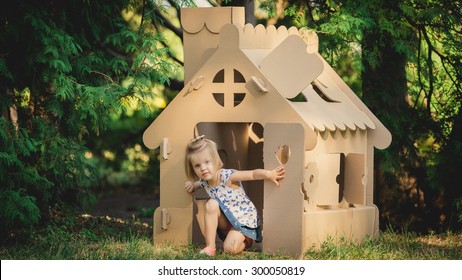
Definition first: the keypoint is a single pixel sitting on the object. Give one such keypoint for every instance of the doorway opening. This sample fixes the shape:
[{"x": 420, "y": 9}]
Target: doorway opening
[{"x": 240, "y": 146}]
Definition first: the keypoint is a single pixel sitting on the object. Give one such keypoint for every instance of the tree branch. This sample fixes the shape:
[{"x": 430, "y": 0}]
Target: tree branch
[
  {"x": 442, "y": 57},
  {"x": 431, "y": 78},
  {"x": 310, "y": 12},
  {"x": 419, "y": 69},
  {"x": 174, "y": 58},
  {"x": 168, "y": 24},
  {"x": 114, "y": 53},
  {"x": 175, "y": 84}
]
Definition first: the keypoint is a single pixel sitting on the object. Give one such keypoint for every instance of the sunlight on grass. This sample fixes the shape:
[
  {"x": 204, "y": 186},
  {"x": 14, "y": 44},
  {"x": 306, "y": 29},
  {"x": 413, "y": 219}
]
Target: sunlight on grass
[
  {"x": 106, "y": 238},
  {"x": 392, "y": 246}
]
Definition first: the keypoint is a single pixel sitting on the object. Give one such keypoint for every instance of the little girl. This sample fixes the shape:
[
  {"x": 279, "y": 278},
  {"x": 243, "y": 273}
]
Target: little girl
[{"x": 228, "y": 212}]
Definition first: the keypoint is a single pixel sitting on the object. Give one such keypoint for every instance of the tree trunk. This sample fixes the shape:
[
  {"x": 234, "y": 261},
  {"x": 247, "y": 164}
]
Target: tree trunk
[
  {"x": 449, "y": 178},
  {"x": 384, "y": 89}
]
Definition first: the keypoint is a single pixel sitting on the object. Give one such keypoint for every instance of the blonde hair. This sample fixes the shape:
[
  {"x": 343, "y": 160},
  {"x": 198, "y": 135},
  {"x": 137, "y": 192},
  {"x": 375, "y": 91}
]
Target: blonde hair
[{"x": 197, "y": 145}]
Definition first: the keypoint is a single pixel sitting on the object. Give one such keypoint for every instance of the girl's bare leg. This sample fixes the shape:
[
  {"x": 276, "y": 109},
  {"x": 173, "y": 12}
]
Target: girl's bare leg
[
  {"x": 234, "y": 242},
  {"x": 213, "y": 219}
]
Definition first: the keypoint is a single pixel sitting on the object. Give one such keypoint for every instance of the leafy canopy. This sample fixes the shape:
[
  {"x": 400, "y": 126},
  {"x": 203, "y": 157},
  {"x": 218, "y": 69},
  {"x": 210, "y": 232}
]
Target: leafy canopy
[{"x": 66, "y": 68}]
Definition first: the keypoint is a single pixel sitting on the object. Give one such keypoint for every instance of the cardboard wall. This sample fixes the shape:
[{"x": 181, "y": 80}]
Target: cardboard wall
[
  {"x": 240, "y": 81},
  {"x": 283, "y": 205}
]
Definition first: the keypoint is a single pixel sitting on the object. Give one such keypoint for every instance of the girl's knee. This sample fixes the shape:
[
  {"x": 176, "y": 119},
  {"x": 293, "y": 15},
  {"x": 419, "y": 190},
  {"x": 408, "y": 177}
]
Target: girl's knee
[
  {"x": 234, "y": 247},
  {"x": 234, "y": 243},
  {"x": 212, "y": 206}
]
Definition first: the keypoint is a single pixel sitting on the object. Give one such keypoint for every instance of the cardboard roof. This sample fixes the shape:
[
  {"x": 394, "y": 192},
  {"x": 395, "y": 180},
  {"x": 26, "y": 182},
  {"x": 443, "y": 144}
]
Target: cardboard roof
[
  {"x": 335, "y": 108},
  {"x": 279, "y": 60}
]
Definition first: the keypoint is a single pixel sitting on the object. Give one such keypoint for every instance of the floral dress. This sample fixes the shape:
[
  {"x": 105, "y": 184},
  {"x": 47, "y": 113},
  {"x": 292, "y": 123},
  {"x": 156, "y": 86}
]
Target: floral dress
[{"x": 236, "y": 205}]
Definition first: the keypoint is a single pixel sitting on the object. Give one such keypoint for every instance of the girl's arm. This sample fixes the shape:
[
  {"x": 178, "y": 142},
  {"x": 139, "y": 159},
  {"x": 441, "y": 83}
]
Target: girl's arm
[
  {"x": 191, "y": 187},
  {"x": 274, "y": 175}
]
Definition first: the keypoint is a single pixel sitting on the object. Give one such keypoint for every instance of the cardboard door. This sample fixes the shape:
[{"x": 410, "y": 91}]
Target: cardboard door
[
  {"x": 355, "y": 189},
  {"x": 327, "y": 192},
  {"x": 283, "y": 205}
]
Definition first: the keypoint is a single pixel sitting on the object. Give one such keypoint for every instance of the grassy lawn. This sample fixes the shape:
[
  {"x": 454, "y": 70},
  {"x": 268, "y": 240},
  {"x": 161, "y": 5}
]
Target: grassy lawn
[{"x": 106, "y": 238}]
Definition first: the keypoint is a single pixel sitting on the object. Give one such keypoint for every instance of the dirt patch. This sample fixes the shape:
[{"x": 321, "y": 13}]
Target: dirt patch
[{"x": 126, "y": 204}]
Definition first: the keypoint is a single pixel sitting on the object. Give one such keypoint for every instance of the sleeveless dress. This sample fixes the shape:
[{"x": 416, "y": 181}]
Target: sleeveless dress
[{"x": 236, "y": 205}]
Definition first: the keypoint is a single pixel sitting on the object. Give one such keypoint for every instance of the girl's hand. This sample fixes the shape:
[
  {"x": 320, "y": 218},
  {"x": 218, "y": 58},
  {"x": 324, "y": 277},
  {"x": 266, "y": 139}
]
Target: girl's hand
[
  {"x": 189, "y": 187},
  {"x": 277, "y": 174}
]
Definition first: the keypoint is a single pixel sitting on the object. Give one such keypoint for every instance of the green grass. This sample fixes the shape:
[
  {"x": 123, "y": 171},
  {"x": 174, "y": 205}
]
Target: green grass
[
  {"x": 106, "y": 238},
  {"x": 393, "y": 246}
]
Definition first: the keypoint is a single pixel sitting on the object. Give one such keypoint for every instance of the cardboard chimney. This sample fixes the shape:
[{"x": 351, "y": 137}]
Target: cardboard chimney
[{"x": 267, "y": 97}]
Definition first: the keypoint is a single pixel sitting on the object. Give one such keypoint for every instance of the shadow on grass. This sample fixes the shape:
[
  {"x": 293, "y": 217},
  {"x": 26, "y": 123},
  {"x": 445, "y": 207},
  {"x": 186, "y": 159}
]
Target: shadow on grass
[{"x": 82, "y": 237}]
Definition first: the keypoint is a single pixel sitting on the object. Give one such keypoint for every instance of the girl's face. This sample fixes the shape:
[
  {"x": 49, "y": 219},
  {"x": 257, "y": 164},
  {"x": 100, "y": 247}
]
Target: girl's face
[{"x": 204, "y": 165}]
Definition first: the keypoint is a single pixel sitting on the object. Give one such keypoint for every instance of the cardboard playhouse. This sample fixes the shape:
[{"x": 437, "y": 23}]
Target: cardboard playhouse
[{"x": 266, "y": 97}]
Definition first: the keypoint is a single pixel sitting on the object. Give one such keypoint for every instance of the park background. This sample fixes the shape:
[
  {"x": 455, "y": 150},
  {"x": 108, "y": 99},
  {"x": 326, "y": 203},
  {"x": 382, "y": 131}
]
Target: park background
[{"x": 81, "y": 80}]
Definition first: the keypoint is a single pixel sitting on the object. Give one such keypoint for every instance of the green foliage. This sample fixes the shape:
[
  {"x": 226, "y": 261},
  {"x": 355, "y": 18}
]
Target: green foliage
[
  {"x": 18, "y": 175},
  {"x": 16, "y": 207},
  {"x": 67, "y": 69},
  {"x": 408, "y": 55},
  {"x": 73, "y": 69}
]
